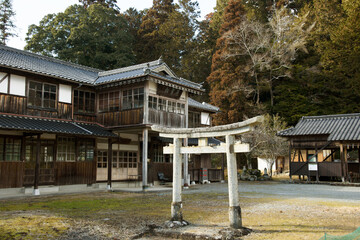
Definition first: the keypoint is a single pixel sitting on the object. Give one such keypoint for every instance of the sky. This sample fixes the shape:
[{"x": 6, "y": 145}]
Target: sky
[{"x": 32, "y": 11}]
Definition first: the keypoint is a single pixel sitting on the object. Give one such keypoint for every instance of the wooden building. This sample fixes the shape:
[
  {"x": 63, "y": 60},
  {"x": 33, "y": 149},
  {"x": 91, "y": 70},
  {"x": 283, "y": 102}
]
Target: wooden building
[
  {"x": 325, "y": 147},
  {"x": 63, "y": 123}
]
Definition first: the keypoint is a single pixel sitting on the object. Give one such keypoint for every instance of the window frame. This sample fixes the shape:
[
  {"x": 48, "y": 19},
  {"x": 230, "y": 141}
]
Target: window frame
[
  {"x": 42, "y": 95},
  {"x": 4, "y": 149},
  {"x": 132, "y": 101},
  {"x": 84, "y": 110}
]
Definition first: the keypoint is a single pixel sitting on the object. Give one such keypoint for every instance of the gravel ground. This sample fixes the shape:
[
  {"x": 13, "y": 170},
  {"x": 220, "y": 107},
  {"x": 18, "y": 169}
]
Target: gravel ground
[{"x": 273, "y": 210}]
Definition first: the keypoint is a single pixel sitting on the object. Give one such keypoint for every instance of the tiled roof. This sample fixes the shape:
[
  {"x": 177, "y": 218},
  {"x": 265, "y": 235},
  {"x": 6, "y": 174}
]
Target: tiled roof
[
  {"x": 23, "y": 60},
  {"x": 52, "y": 126},
  {"x": 203, "y": 106},
  {"x": 342, "y": 127},
  {"x": 31, "y": 62}
]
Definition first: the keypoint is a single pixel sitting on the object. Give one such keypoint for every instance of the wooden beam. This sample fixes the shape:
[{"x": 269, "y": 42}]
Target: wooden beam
[
  {"x": 342, "y": 162},
  {"x": 290, "y": 161},
  {"x": 236, "y": 148}
]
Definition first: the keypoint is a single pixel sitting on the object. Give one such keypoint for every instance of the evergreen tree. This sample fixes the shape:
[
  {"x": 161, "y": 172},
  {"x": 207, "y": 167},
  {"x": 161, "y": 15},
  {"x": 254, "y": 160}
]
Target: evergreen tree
[
  {"x": 96, "y": 36},
  {"x": 6, "y": 21},
  {"x": 106, "y": 3},
  {"x": 227, "y": 81}
]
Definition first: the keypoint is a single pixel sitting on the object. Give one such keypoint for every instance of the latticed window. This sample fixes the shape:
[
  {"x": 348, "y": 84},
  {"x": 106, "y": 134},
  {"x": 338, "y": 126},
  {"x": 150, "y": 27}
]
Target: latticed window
[
  {"x": 66, "y": 149},
  {"x": 152, "y": 102},
  {"x": 86, "y": 150},
  {"x": 102, "y": 159},
  {"x": 109, "y": 101},
  {"x": 133, "y": 98},
  {"x": 84, "y": 102},
  {"x": 42, "y": 95},
  {"x": 10, "y": 149}
]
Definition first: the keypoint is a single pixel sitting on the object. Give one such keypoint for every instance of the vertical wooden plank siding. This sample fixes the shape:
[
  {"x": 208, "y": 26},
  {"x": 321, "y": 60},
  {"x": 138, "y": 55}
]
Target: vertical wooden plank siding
[
  {"x": 11, "y": 174},
  {"x": 75, "y": 172}
]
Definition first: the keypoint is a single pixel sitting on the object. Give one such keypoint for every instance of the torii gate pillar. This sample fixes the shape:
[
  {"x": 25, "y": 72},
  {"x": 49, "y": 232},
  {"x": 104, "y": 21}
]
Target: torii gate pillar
[
  {"x": 234, "y": 207},
  {"x": 176, "y": 205},
  {"x": 230, "y": 148}
]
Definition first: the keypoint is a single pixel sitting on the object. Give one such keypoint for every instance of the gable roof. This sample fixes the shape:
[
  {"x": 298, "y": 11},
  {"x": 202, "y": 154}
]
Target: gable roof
[
  {"x": 342, "y": 127},
  {"x": 35, "y": 63},
  {"x": 202, "y": 106}
]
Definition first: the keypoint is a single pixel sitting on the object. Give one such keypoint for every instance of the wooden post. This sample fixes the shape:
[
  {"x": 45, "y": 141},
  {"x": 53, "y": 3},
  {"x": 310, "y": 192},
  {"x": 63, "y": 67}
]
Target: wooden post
[
  {"x": 342, "y": 163},
  {"x": 290, "y": 161},
  {"x": 347, "y": 176},
  {"x": 144, "y": 159},
  {"x": 317, "y": 163},
  {"x": 37, "y": 166},
  {"x": 109, "y": 163},
  {"x": 176, "y": 205},
  {"x": 223, "y": 168},
  {"x": 234, "y": 207}
]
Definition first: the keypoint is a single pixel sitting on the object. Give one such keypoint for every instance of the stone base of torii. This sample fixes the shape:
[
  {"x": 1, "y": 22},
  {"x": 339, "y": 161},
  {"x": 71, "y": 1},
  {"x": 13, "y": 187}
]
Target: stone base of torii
[{"x": 231, "y": 147}]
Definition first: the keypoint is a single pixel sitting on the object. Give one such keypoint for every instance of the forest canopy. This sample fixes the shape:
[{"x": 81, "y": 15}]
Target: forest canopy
[{"x": 291, "y": 58}]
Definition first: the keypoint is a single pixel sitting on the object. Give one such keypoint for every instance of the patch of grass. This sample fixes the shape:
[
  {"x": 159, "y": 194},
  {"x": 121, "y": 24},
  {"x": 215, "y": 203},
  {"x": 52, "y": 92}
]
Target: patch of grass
[{"x": 32, "y": 227}]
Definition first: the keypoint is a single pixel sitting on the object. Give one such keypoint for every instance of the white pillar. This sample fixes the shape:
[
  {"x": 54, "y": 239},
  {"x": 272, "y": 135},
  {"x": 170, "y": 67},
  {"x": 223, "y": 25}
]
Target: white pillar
[
  {"x": 144, "y": 158},
  {"x": 176, "y": 205},
  {"x": 186, "y": 166},
  {"x": 234, "y": 207}
]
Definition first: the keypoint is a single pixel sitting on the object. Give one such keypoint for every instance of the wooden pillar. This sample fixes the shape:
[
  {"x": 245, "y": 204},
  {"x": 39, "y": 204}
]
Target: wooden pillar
[
  {"x": 359, "y": 158},
  {"x": 234, "y": 207},
  {"x": 144, "y": 158},
  {"x": 37, "y": 166},
  {"x": 109, "y": 163},
  {"x": 290, "y": 161},
  {"x": 176, "y": 205},
  {"x": 347, "y": 176},
  {"x": 342, "y": 162},
  {"x": 223, "y": 167},
  {"x": 317, "y": 164}
]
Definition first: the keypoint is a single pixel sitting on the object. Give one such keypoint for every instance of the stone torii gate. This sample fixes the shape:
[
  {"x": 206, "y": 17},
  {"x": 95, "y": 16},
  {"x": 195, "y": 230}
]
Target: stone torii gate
[{"x": 231, "y": 147}]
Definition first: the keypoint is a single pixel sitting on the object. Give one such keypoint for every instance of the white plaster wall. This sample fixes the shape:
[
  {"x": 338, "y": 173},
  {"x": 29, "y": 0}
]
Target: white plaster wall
[
  {"x": 152, "y": 87},
  {"x": 65, "y": 93},
  {"x": 17, "y": 85},
  {"x": 262, "y": 164},
  {"x": 205, "y": 118},
  {"x": 4, "y": 84}
]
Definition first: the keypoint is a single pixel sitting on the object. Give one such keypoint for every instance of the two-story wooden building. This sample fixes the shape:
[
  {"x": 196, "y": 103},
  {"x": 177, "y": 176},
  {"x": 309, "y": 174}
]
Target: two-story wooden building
[{"x": 63, "y": 123}]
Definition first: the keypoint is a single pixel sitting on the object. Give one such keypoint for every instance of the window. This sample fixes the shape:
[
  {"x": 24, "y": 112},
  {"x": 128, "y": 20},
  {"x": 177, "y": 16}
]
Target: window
[
  {"x": 86, "y": 150},
  {"x": 162, "y": 104},
  {"x": 84, "y": 102},
  {"x": 120, "y": 159},
  {"x": 194, "y": 119},
  {"x": 42, "y": 95},
  {"x": 66, "y": 149},
  {"x": 158, "y": 153},
  {"x": 152, "y": 102},
  {"x": 10, "y": 149},
  {"x": 102, "y": 159},
  {"x": 133, "y": 98},
  {"x": 109, "y": 101}
]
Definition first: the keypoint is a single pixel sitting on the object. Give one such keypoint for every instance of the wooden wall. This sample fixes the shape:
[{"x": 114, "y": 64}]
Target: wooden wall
[
  {"x": 125, "y": 117},
  {"x": 11, "y": 174},
  {"x": 166, "y": 119},
  {"x": 155, "y": 168},
  {"x": 75, "y": 172}
]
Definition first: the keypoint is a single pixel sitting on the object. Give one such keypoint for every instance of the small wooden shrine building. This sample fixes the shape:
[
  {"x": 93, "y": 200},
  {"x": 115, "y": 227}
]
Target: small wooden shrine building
[{"x": 325, "y": 147}]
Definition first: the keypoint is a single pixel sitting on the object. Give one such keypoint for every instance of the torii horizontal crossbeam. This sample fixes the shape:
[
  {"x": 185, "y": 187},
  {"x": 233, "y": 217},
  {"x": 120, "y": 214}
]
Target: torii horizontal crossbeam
[{"x": 202, "y": 132}]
